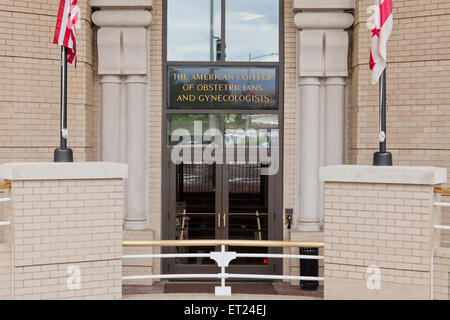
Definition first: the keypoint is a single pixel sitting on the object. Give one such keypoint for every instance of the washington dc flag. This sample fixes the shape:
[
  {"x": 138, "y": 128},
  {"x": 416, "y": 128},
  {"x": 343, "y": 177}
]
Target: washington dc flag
[
  {"x": 381, "y": 23},
  {"x": 65, "y": 28}
]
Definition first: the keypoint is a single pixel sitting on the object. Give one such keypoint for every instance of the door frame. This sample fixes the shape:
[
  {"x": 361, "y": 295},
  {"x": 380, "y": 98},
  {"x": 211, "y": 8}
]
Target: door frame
[
  {"x": 275, "y": 223},
  {"x": 165, "y": 154}
]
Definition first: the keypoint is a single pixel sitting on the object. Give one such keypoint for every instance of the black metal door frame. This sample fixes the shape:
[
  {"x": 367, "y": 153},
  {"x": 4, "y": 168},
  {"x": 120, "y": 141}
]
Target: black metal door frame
[
  {"x": 168, "y": 172},
  {"x": 274, "y": 266}
]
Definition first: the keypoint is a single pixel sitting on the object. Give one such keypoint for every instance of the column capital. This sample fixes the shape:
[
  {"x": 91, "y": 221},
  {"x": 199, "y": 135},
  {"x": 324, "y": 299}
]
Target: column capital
[
  {"x": 335, "y": 81},
  {"x": 110, "y": 79},
  {"x": 309, "y": 81},
  {"x": 133, "y": 79}
]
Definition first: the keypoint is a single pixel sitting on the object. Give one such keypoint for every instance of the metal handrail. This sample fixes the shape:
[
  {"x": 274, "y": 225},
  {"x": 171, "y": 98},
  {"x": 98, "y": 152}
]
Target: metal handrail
[
  {"x": 5, "y": 185},
  {"x": 442, "y": 191},
  {"x": 218, "y": 242},
  {"x": 223, "y": 259},
  {"x": 212, "y": 213},
  {"x": 195, "y": 213},
  {"x": 442, "y": 204}
]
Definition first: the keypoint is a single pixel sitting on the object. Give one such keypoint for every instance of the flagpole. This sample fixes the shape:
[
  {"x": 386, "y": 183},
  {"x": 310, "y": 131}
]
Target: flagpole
[
  {"x": 382, "y": 158},
  {"x": 63, "y": 154}
]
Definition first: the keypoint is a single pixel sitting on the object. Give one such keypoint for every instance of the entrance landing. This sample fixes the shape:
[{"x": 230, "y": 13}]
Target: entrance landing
[{"x": 205, "y": 291}]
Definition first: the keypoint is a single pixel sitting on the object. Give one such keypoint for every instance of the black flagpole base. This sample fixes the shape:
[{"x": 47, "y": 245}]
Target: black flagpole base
[
  {"x": 382, "y": 159},
  {"x": 63, "y": 155}
]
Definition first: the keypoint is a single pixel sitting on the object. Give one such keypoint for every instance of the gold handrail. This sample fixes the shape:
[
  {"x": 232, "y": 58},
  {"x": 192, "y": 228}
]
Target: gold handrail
[
  {"x": 195, "y": 213},
  {"x": 234, "y": 243},
  {"x": 212, "y": 213},
  {"x": 443, "y": 191},
  {"x": 258, "y": 222},
  {"x": 182, "y": 225},
  {"x": 248, "y": 214},
  {"x": 5, "y": 185}
]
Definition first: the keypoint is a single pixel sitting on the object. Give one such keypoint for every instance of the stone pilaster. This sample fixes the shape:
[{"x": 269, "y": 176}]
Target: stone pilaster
[
  {"x": 322, "y": 55},
  {"x": 123, "y": 67}
]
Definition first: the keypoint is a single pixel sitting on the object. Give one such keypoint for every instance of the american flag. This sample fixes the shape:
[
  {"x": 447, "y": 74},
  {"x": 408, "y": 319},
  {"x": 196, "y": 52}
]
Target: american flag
[
  {"x": 65, "y": 28},
  {"x": 382, "y": 23}
]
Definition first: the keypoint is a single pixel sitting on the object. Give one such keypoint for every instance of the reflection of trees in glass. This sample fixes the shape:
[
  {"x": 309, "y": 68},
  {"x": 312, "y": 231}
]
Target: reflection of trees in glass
[
  {"x": 238, "y": 126},
  {"x": 187, "y": 121}
]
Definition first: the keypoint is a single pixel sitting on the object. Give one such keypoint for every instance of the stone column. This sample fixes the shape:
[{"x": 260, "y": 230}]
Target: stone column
[
  {"x": 110, "y": 115},
  {"x": 123, "y": 66},
  {"x": 309, "y": 155},
  {"x": 322, "y": 55},
  {"x": 334, "y": 120},
  {"x": 136, "y": 117}
]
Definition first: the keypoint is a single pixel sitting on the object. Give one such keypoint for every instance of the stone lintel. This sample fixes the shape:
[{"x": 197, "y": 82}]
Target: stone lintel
[
  {"x": 389, "y": 175},
  {"x": 62, "y": 171}
]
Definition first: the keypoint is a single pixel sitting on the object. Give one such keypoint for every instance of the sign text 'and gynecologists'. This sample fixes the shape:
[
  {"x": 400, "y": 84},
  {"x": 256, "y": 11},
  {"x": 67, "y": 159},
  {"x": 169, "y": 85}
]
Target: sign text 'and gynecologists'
[{"x": 223, "y": 87}]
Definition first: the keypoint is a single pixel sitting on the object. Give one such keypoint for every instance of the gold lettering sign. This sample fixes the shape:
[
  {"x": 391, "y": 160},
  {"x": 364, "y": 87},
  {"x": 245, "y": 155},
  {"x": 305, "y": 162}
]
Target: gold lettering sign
[{"x": 223, "y": 87}]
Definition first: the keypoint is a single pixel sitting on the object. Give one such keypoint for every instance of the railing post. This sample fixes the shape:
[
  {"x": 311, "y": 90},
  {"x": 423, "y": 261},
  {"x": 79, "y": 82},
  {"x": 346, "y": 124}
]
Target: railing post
[{"x": 223, "y": 290}]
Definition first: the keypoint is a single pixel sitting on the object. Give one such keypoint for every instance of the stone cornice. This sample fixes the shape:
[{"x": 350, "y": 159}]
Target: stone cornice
[
  {"x": 300, "y": 5},
  {"x": 122, "y": 4}
]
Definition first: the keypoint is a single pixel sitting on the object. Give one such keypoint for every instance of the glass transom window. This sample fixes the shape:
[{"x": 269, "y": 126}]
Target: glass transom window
[{"x": 223, "y": 30}]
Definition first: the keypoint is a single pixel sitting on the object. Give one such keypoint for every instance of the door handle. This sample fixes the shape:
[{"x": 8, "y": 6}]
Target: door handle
[
  {"x": 218, "y": 220},
  {"x": 224, "y": 220}
]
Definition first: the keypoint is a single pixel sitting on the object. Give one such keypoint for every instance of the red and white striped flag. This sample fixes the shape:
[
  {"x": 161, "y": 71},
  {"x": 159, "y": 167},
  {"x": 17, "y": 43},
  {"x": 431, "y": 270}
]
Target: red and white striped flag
[
  {"x": 381, "y": 24},
  {"x": 65, "y": 28}
]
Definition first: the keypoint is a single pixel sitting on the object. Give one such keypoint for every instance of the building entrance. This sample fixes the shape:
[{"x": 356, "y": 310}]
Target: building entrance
[
  {"x": 226, "y": 199},
  {"x": 223, "y": 72}
]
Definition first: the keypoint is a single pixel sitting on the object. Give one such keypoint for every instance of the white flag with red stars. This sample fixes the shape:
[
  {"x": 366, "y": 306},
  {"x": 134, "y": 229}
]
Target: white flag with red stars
[
  {"x": 65, "y": 28},
  {"x": 381, "y": 24}
]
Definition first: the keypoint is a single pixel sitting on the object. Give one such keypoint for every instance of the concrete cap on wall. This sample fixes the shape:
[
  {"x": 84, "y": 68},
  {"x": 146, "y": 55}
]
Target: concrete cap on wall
[
  {"x": 323, "y": 4},
  {"x": 62, "y": 171},
  {"x": 389, "y": 175}
]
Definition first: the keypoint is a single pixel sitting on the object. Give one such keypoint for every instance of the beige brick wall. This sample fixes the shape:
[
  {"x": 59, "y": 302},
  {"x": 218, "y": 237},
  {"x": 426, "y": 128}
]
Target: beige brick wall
[
  {"x": 441, "y": 274},
  {"x": 388, "y": 226},
  {"x": 417, "y": 96},
  {"x": 99, "y": 281},
  {"x": 62, "y": 223},
  {"x": 5, "y": 271},
  {"x": 5, "y": 248},
  {"x": 155, "y": 121},
  {"x": 30, "y": 84}
]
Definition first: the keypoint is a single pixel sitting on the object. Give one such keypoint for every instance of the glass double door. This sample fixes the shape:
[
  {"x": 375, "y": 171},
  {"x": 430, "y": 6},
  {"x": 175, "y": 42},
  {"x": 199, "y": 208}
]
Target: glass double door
[{"x": 222, "y": 201}]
